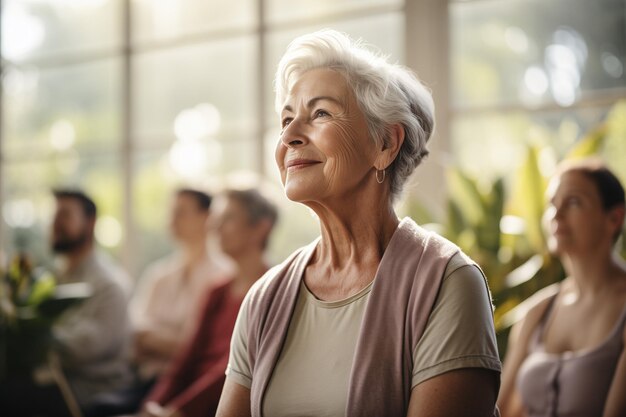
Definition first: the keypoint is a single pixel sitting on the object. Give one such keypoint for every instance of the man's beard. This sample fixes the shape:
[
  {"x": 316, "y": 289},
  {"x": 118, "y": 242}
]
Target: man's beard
[{"x": 68, "y": 245}]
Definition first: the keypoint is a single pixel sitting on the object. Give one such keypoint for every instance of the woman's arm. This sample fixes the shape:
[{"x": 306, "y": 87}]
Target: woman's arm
[
  {"x": 235, "y": 401},
  {"x": 458, "y": 393},
  {"x": 155, "y": 342},
  {"x": 509, "y": 400},
  {"x": 616, "y": 400}
]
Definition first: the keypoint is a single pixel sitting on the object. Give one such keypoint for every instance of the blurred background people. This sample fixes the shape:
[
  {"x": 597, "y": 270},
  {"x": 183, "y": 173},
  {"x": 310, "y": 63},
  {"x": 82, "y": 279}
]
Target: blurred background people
[
  {"x": 193, "y": 384},
  {"x": 168, "y": 299},
  {"x": 170, "y": 291},
  {"x": 89, "y": 339},
  {"x": 567, "y": 357}
]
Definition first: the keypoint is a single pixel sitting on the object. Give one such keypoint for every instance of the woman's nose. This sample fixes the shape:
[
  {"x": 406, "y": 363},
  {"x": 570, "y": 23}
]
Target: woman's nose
[
  {"x": 293, "y": 134},
  {"x": 556, "y": 213}
]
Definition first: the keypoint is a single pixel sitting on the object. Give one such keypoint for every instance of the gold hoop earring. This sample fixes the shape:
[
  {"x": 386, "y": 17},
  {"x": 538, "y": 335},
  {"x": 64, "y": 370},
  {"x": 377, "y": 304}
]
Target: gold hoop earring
[{"x": 380, "y": 180}]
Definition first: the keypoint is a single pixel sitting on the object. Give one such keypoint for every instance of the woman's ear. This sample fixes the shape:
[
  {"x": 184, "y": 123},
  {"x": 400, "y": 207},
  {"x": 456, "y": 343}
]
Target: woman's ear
[{"x": 390, "y": 150}]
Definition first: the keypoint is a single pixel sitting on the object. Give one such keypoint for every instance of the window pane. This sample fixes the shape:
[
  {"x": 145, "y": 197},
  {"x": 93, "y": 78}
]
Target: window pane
[
  {"x": 158, "y": 19},
  {"x": 501, "y": 144},
  {"x": 270, "y": 141},
  {"x": 287, "y": 10},
  {"x": 384, "y": 32},
  {"x": 153, "y": 183},
  {"x": 533, "y": 51},
  {"x": 155, "y": 180},
  {"x": 27, "y": 203},
  {"x": 208, "y": 89},
  {"x": 159, "y": 172},
  {"x": 62, "y": 109},
  {"x": 32, "y": 28}
]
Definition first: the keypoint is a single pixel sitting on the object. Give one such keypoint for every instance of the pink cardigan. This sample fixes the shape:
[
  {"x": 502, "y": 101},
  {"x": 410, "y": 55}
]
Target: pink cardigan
[{"x": 404, "y": 292}]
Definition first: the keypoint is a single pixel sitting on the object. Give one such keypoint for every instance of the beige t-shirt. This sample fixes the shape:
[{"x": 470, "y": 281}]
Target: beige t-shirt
[{"x": 312, "y": 374}]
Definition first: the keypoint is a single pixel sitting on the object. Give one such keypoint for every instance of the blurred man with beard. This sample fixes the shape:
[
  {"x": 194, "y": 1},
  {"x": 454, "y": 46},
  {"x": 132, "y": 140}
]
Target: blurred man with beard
[{"x": 90, "y": 340}]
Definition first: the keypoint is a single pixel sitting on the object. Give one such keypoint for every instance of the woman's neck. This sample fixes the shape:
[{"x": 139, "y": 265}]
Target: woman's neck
[
  {"x": 354, "y": 233},
  {"x": 194, "y": 253},
  {"x": 595, "y": 273},
  {"x": 250, "y": 267}
]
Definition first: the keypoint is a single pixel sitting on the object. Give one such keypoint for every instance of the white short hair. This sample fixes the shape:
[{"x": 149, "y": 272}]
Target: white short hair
[{"x": 387, "y": 93}]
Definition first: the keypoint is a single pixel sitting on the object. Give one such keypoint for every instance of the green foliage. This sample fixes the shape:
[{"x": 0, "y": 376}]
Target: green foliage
[
  {"x": 30, "y": 302},
  {"x": 592, "y": 144},
  {"x": 501, "y": 227},
  {"x": 527, "y": 199}
]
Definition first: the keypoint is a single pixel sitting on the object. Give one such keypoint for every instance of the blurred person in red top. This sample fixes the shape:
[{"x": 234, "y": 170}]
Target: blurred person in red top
[
  {"x": 167, "y": 300},
  {"x": 192, "y": 385},
  {"x": 170, "y": 292}
]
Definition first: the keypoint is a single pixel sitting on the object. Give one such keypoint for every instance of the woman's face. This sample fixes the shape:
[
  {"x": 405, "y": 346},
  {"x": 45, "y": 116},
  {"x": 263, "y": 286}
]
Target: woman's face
[
  {"x": 575, "y": 218},
  {"x": 233, "y": 227},
  {"x": 188, "y": 222},
  {"x": 324, "y": 151}
]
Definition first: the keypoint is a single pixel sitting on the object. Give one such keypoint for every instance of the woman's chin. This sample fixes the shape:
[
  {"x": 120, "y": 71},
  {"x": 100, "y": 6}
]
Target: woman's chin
[
  {"x": 295, "y": 195},
  {"x": 298, "y": 191}
]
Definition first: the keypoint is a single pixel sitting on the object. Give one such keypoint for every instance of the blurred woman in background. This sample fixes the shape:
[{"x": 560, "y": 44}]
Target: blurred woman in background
[
  {"x": 191, "y": 386},
  {"x": 567, "y": 358}
]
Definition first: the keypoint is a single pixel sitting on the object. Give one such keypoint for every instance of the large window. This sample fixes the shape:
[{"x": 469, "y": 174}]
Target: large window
[
  {"x": 129, "y": 99},
  {"x": 531, "y": 71}
]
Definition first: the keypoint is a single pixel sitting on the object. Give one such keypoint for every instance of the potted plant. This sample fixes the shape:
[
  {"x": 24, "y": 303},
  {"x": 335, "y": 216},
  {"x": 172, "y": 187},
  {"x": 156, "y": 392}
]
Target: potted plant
[{"x": 30, "y": 301}]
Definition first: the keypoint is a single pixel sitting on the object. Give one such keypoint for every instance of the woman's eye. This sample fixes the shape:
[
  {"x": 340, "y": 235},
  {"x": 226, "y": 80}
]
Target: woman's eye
[
  {"x": 285, "y": 122},
  {"x": 573, "y": 201},
  {"x": 321, "y": 113}
]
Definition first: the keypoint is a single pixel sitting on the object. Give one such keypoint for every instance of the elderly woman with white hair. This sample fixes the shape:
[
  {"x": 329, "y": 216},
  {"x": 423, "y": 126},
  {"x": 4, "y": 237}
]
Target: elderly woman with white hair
[{"x": 377, "y": 317}]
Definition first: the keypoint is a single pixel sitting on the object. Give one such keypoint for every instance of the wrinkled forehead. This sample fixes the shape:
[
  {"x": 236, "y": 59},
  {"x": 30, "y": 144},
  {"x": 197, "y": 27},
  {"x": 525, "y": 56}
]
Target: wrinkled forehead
[{"x": 317, "y": 82}]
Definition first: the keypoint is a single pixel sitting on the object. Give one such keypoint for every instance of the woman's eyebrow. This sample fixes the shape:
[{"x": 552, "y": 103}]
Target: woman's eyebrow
[{"x": 312, "y": 102}]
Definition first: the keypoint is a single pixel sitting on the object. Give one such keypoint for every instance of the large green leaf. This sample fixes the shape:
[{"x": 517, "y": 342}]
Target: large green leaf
[
  {"x": 590, "y": 145},
  {"x": 456, "y": 222},
  {"x": 614, "y": 149},
  {"x": 464, "y": 192},
  {"x": 489, "y": 222},
  {"x": 527, "y": 199}
]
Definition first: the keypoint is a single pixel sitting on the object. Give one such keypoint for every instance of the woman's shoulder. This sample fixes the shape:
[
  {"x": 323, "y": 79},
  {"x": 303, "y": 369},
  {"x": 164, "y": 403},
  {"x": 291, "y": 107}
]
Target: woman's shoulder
[
  {"x": 279, "y": 275},
  {"x": 420, "y": 236},
  {"x": 431, "y": 247},
  {"x": 533, "y": 309},
  {"x": 458, "y": 261},
  {"x": 261, "y": 285}
]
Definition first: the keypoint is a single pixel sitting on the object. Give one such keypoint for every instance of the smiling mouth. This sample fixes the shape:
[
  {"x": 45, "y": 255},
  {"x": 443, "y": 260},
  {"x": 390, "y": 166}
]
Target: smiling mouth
[{"x": 300, "y": 164}]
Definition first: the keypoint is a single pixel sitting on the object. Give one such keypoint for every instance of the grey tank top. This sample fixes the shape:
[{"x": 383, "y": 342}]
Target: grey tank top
[{"x": 569, "y": 384}]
